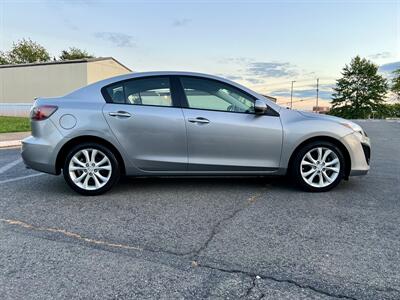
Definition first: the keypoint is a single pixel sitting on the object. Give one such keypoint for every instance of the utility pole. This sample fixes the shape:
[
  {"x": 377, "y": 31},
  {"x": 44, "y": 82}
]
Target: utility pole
[
  {"x": 291, "y": 95},
  {"x": 316, "y": 106}
]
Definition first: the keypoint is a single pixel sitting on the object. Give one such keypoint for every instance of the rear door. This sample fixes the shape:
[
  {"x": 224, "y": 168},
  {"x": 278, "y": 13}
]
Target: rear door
[
  {"x": 224, "y": 133},
  {"x": 148, "y": 123}
]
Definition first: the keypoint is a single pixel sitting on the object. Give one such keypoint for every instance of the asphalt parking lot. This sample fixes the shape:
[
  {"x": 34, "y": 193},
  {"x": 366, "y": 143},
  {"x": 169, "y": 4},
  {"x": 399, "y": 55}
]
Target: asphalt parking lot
[{"x": 228, "y": 238}]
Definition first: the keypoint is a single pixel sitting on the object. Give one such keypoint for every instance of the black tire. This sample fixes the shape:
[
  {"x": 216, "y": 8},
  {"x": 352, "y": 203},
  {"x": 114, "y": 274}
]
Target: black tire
[
  {"x": 115, "y": 171},
  {"x": 295, "y": 168}
]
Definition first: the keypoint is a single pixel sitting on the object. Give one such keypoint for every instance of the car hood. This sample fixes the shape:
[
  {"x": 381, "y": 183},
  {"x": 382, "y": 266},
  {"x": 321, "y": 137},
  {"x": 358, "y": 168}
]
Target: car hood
[
  {"x": 342, "y": 121},
  {"x": 322, "y": 117}
]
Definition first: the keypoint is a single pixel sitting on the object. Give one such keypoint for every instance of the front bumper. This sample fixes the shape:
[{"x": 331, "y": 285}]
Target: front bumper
[
  {"x": 359, "y": 148},
  {"x": 39, "y": 151}
]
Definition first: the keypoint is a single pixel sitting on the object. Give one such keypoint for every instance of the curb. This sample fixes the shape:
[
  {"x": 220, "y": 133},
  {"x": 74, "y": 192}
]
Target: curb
[{"x": 9, "y": 144}]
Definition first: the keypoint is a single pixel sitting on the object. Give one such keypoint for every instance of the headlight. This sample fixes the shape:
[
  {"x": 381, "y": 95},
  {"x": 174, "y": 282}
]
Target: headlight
[{"x": 353, "y": 126}]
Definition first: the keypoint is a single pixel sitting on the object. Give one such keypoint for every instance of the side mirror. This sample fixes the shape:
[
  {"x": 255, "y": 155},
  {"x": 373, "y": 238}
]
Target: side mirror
[{"x": 260, "y": 107}]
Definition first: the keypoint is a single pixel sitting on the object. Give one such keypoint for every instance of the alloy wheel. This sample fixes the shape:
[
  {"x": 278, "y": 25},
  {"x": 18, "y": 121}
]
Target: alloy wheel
[
  {"x": 320, "y": 167},
  {"x": 90, "y": 169}
]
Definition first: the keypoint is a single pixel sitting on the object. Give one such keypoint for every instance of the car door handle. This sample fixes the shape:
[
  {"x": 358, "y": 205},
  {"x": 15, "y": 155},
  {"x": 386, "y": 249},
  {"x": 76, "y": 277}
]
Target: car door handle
[
  {"x": 199, "y": 120},
  {"x": 122, "y": 114}
]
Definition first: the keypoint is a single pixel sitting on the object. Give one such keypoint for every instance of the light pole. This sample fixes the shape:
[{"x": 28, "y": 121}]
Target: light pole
[
  {"x": 316, "y": 105},
  {"x": 291, "y": 95}
]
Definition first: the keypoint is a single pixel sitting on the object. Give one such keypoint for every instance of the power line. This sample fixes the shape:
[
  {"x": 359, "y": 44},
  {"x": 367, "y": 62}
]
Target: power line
[{"x": 291, "y": 94}]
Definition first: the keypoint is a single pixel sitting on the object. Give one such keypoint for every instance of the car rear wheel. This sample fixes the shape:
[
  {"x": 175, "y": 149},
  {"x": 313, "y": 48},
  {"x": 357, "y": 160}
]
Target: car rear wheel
[
  {"x": 91, "y": 169},
  {"x": 318, "y": 167}
]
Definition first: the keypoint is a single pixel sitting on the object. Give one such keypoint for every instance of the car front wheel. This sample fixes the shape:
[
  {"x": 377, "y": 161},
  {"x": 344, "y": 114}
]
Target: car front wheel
[
  {"x": 91, "y": 169},
  {"x": 318, "y": 167}
]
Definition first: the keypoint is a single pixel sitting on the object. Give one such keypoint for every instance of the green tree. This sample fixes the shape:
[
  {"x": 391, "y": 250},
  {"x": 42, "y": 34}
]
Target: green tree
[
  {"x": 74, "y": 53},
  {"x": 3, "y": 58},
  {"x": 396, "y": 83},
  {"x": 360, "y": 91},
  {"x": 25, "y": 51},
  {"x": 388, "y": 111}
]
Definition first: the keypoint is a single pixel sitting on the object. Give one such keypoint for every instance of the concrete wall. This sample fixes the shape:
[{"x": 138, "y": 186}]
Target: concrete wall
[
  {"x": 102, "y": 69},
  {"x": 15, "y": 109},
  {"x": 23, "y": 84}
]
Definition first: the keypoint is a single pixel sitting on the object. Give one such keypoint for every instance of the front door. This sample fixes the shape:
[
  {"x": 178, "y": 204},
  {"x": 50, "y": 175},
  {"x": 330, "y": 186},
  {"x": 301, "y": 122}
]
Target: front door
[
  {"x": 223, "y": 132},
  {"x": 144, "y": 118}
]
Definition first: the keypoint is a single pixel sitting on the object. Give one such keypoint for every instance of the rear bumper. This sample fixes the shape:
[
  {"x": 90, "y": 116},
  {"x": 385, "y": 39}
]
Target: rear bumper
[
  {"x": 39, "y": 151},
  {"x": 37, "y": 155},
  {"x": 359, "y": 148}
]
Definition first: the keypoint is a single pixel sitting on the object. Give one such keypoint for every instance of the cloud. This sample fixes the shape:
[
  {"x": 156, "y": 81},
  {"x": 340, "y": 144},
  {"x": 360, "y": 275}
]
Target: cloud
[
  {"x": 379, "y": 55},
  {"x": 326, "y": 86},
  {"x": 308, "y": 93},
  {"x": 121, "y": 40},
  {"x": 235, "y": 60},
  {"x": 387, "y": 69},
  {"x": 257, "y": 71},
  {"x": 232, "y": 77},
  {"x": 181, "y": 22},
  {"x": 254, "y": 80},
  {"x": 272, "y": 69}
]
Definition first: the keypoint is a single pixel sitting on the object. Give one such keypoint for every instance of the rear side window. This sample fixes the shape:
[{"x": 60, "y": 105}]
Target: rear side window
[
  {"x": 116, "y": 93},
  {"x": 154, "y": 91}
]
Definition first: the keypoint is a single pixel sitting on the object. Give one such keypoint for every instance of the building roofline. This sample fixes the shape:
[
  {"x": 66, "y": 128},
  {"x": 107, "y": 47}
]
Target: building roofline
[{"x": 73, "y": 61}]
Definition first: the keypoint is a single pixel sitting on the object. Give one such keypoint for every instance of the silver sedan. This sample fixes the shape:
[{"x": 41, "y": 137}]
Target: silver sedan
[{"x": 181, "y": 123}]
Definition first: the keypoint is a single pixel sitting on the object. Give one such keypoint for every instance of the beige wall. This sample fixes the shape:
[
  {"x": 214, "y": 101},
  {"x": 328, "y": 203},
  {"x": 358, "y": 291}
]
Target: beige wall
[
  {"x": 23, "y": 84},
  {"x": 102, "y": 69}
]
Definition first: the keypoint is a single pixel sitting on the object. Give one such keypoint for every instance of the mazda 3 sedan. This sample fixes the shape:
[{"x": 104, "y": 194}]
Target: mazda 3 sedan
[{"x": 181, "y": 123}]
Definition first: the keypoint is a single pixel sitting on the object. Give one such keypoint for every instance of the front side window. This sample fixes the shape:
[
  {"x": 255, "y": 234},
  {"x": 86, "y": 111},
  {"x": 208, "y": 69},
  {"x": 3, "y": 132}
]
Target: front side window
[
  {"x": 213, "y": 95},
  {"x": 147, "y": 91}
]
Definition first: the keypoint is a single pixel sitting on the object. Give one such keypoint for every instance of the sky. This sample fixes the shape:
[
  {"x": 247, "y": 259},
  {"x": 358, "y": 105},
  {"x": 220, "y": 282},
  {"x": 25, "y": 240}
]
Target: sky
[{"x": 261, "y": 44}]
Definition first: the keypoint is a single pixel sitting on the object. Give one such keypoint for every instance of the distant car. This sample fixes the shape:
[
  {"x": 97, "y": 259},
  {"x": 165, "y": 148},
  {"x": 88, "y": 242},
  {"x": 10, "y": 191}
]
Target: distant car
[{"x": 181, "y": 123}]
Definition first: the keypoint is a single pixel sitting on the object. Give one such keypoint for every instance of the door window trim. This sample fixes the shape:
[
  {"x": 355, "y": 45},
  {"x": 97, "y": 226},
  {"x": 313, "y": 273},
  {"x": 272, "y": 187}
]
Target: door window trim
[
  {"x": 185, "y": 103},
  {"x": 176, "y": 103}
]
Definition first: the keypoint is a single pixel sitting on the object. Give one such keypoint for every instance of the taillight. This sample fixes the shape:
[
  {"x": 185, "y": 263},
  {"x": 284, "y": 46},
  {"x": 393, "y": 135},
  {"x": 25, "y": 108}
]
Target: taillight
[{"x": 42, "y": 112}]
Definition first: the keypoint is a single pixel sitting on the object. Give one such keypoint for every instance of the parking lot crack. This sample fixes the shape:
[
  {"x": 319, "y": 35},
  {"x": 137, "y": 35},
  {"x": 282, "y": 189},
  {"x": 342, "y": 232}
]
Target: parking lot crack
[
  {"x": 216, "y": 228},
  {"x": 275, "y": 279},
  {"x": 79, "y": 237},
  {"x": 254, "y": 277},
  {"x": 68, "y": 234}
]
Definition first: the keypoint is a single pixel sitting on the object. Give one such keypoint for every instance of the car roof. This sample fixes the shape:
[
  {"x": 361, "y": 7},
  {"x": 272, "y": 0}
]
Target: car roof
[
  {"x": 157, "y": 73},
  {"x": 97, "y": 86}
]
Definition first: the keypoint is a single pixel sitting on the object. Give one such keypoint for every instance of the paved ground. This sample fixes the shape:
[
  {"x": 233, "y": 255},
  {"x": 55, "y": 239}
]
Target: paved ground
[{"x": 203, "y": 238}]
